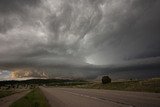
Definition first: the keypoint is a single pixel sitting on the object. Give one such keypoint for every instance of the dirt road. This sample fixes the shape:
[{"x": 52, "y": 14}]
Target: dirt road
[
  {"x": 6, "y": 101},
  {"x": 72, "y": 97}
]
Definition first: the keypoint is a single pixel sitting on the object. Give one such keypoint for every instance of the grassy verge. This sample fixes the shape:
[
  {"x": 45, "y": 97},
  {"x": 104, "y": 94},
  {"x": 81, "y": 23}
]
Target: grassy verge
[
  {"x": 151, "y": 85},
  {"x": 6, "y": 93},
  {"x": 33, "y": 99}
]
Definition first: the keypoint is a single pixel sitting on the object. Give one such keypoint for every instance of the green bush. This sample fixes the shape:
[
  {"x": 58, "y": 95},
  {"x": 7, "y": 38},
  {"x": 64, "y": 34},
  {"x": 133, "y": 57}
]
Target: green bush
[{"x": 106, "y": 79}]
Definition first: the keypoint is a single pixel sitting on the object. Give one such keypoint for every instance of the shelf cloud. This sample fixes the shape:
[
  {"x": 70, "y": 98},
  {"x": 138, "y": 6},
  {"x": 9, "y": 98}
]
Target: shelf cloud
[{"x": 49, "y": 38}]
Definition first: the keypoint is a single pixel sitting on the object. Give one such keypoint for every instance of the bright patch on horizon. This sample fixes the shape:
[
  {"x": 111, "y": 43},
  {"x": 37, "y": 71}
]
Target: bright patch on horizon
[{"x": 5, "y": 75}]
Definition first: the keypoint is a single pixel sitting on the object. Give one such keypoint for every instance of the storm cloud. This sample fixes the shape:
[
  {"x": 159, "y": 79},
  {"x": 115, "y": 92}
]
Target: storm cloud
[{"x": 73, "y": 37}]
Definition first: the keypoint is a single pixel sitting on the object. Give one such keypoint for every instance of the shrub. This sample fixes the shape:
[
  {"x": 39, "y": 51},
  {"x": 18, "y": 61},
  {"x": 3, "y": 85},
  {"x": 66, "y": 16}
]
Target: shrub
[{"x": 106, "y": 79}]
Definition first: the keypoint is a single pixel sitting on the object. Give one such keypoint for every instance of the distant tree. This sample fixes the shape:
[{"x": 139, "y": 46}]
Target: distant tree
[
  {"x": 106, "y": 79},
  {"x": 130, "y": 79},
  {"x": 17, "y": 85},
  {"x": 13, "y": 86}
]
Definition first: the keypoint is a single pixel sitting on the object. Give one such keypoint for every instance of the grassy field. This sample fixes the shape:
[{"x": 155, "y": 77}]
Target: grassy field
[
  {"x": 33, "y": 99},
  {"x": 150, "y": 85}
]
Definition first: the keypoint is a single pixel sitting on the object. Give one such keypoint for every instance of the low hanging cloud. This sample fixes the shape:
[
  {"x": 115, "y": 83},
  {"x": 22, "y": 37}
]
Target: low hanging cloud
[{"x": 76, "y": 33}]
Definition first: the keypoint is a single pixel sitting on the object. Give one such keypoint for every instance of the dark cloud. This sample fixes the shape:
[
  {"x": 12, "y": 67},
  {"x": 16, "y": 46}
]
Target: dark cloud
[
  {"x": 69, "y": 33},
  {"x": 131, "y": 31},
  {"x": 11, "y": 11},
  {"x": 16, "y": 6}
]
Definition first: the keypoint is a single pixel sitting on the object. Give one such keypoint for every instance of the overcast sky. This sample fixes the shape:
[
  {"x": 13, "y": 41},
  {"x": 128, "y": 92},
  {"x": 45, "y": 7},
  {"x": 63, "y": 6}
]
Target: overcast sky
[{"x": 54, "y": 34}]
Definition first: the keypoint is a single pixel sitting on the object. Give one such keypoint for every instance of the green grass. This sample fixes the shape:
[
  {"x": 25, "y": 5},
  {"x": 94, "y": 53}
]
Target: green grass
[
  {"x": 6, "y": 93},
  {"x": 33, "y": 99},
  {"x": 151, "y": 85}
]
